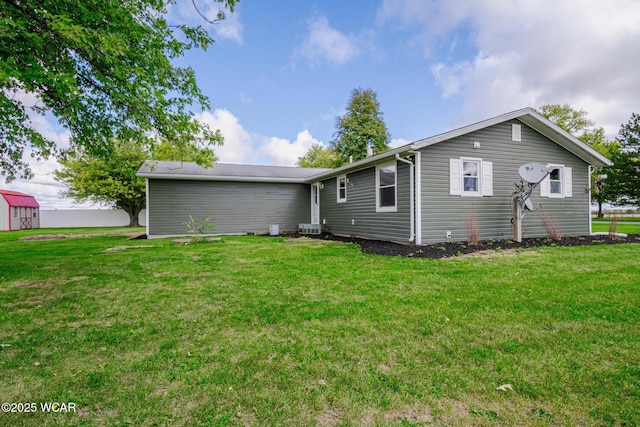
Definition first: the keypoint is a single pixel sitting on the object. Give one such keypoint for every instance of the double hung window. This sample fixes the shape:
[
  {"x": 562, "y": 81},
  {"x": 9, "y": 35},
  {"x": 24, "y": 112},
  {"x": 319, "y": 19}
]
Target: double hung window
[{"x": 386, "y": 185}]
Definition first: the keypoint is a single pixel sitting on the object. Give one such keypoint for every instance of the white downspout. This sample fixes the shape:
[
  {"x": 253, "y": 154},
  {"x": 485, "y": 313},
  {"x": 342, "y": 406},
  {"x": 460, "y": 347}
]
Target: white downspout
[
  {"x": 146, "y": 213},
  {"x": 412, "y": 222},
  {"x": 589, "y": 171}
]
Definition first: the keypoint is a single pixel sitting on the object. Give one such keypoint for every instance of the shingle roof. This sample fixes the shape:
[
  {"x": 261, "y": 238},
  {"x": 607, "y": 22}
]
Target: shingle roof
[
  {"x": 226, "y": 172},
  {"x": 231, "y": 172},
  {"x": 15, "y": 198}
]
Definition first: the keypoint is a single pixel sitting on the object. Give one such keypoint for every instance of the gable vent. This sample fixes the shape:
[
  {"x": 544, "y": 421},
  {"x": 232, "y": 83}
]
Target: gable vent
[{"x": 516, "y": 133}]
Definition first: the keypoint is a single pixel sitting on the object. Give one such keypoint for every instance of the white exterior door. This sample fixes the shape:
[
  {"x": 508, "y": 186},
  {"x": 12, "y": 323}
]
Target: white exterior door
[{"x": 315, "y": 203}]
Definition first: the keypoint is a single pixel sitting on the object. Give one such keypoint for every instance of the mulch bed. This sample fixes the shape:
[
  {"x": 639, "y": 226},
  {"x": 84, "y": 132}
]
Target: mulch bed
[{"x": 450, "y": 249}]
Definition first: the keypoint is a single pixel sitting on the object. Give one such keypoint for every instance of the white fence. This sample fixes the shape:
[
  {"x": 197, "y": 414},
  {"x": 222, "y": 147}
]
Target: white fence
[{"x": 86, "y": 218}]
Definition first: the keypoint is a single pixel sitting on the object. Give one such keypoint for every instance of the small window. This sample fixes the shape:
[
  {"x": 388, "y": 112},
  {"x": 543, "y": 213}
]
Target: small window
[
  {"x": 35, "y": 214},
  {"x": 471, "y": 176},
  {"x": 342, "y": 189},
  {"x": 15, "y": 212},
  {"x": 386, "y": 181},
  {"x": 558, "y": 183},
  {"x": 555, "y": 181}
]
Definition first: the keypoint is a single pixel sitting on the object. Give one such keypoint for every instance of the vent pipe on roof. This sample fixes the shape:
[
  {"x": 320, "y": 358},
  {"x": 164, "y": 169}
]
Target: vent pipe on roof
[{"x": 369, "y": 151}]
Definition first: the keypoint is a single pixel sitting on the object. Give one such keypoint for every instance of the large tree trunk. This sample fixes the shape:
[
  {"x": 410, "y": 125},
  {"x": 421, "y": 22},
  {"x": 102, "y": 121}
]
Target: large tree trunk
[
  {"x": 133, "y": 212},
  {"x": 600, "y": 214}
]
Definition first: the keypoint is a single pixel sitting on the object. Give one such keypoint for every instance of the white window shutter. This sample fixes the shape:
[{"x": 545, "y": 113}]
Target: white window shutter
[
  {"x": 455, "y": 178},
  {"x": 487, "y": 178},
  {"x": 567, "y": 182},
  {"x": 545, "y": 187}
]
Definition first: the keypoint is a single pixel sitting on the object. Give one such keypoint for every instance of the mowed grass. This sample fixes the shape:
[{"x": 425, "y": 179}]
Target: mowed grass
[
  {"x": 603, "y": 227},
  {"x": 619, "y": 219},
  {"x": 276, "y": 331}
]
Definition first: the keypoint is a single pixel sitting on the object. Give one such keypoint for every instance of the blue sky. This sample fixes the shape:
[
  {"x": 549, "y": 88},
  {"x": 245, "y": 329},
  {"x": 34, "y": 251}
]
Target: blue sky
[{"x": 281, "y": 72}]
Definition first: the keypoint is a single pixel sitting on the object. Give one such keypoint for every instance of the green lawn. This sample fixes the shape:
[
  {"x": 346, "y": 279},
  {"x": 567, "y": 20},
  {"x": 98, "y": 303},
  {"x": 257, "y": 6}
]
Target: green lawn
[
  {"x": 619, "y": 219},
  {"x": 276, "y": 331},
  {"x": 620, "y": 228}
]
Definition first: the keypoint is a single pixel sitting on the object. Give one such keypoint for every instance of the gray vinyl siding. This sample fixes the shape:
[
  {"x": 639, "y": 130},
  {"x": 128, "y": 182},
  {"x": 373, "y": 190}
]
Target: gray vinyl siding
[
  {"x": 442, "y": 211},
  {"x": 235, "y": 207},
  {"x": 361, "y": 207}
]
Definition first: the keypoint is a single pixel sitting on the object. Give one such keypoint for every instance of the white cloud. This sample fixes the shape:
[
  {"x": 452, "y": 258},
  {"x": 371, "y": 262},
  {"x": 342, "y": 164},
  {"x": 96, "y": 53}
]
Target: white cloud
[
  {"x": 43, "y": 185},
  {"x": 283, "y": 152},
  {"x": 242, "y": 146},
  {"x": 187, "y": 12},
  {"x": 398, "y": 142},
  {"x": 531, "y": 53},
  {"x": 324, "y": 43},
  {"x": 238, "y": 143}
]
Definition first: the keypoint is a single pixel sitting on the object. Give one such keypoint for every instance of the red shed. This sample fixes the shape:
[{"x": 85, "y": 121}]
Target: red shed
[{"x": 18, "y": 211}]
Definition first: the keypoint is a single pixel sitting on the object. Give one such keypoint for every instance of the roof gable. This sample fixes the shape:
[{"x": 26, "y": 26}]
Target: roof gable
[{"x": 535, "y": 121}]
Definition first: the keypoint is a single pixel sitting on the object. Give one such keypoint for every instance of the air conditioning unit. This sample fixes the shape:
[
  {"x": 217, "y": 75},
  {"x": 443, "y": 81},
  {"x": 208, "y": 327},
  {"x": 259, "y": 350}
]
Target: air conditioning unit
[{"x": 309, "y": 228}]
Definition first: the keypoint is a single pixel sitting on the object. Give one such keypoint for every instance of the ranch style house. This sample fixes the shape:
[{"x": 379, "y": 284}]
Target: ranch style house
[{"x": 420, "y": 193}]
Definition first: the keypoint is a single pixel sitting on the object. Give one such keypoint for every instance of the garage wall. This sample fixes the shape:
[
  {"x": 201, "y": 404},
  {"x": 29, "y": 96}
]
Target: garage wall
[{"x": 235, "y": 207}]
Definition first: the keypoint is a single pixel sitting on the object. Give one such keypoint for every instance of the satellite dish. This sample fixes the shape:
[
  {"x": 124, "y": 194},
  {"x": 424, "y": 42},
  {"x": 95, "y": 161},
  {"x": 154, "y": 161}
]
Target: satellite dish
[
  {"x": 528, "y": 205},
  {"x": 533, "y": 173}
]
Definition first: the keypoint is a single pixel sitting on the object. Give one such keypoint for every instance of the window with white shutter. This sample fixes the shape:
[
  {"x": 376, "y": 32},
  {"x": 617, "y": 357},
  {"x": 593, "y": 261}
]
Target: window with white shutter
[
  {"x": 559, "y": 182},
  {"x": 470, "y": 177}
]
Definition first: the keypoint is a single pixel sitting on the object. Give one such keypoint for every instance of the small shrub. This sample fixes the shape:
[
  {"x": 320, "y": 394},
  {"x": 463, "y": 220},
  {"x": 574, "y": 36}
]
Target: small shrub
[
  {"x": 553, "y": 231},
  {"x": 197, "y": 227},
  {"x": 473, "y": 233}
]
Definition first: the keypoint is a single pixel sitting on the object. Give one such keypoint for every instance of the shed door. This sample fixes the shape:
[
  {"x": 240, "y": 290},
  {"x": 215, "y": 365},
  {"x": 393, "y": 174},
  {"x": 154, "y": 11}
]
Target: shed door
[
  {"x": 25, "y": 218},
  {"x": 315, "y": 203}
]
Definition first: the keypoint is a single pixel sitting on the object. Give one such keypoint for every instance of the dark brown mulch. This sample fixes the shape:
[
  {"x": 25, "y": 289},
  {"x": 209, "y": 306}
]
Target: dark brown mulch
[{"x": 449, "y": 249}]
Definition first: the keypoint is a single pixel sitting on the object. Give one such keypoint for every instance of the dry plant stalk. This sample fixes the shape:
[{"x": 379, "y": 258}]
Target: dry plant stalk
[
  {"x": 553, "y": 232},
  {"x": 473, "y": 232},
  {"x": 613, "y": 225}
]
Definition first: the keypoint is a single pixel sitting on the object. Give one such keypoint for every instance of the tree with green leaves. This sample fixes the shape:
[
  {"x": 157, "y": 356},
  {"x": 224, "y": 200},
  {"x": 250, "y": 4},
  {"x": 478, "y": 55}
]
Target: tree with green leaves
[
  {"x": 103, "y": 69},
  {"x": 112, "y": 179},
  {"x": 577, "y": 123},
  {"x": 318, "y": 156},
  {"x": 627, "y": 164},
  {"x": 568, "y": 118},
  {"x": 362, "y": 126}
]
